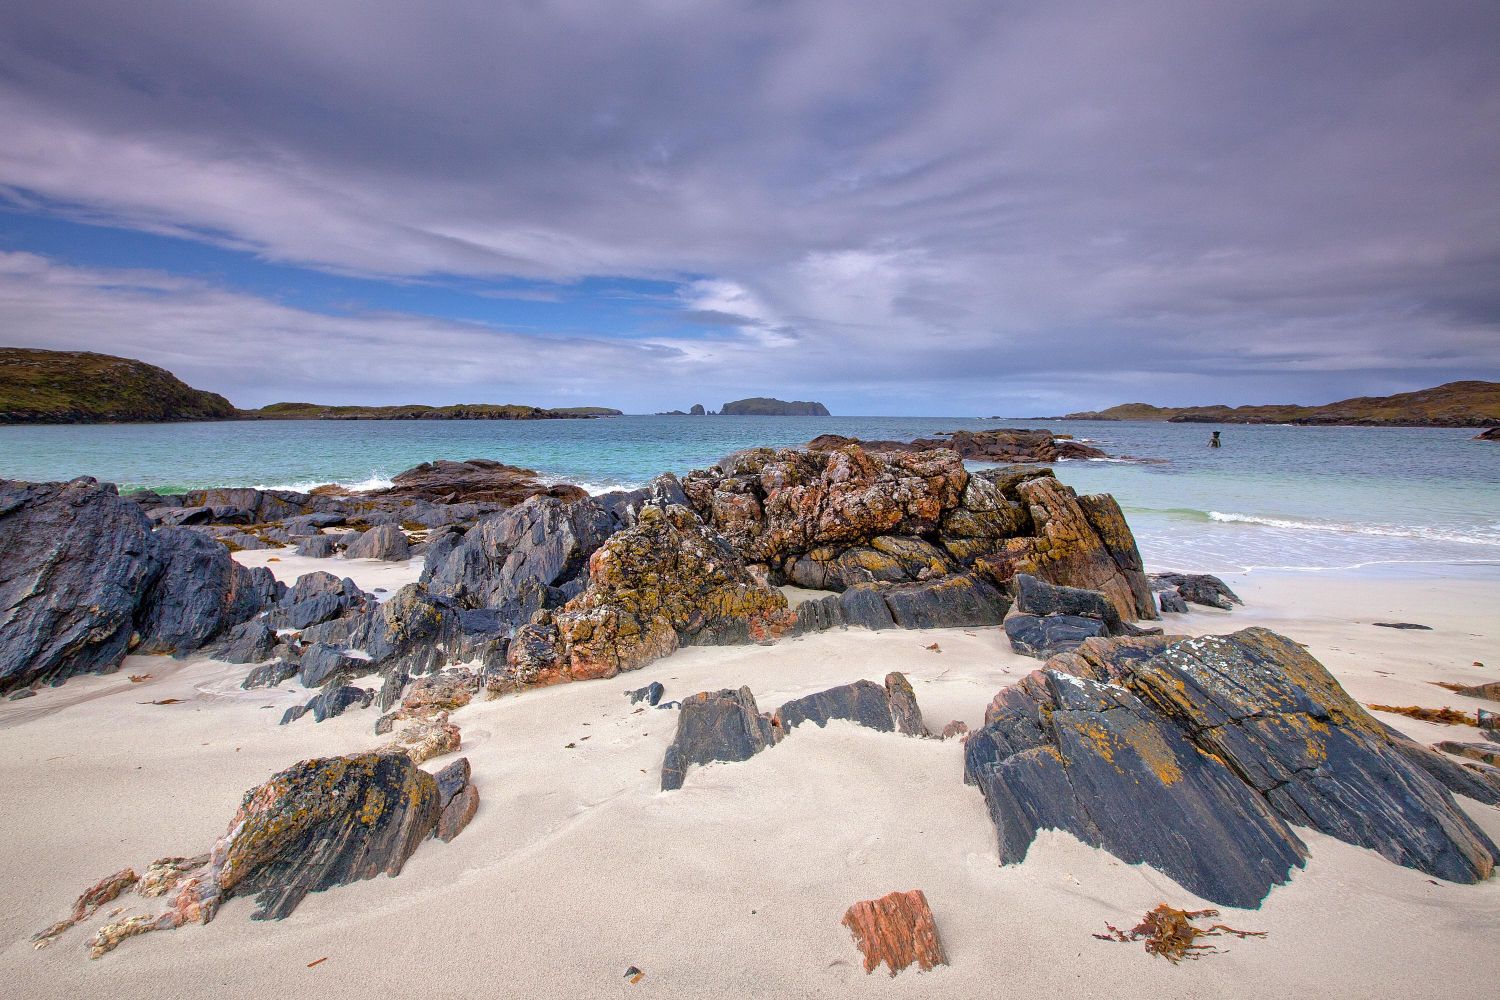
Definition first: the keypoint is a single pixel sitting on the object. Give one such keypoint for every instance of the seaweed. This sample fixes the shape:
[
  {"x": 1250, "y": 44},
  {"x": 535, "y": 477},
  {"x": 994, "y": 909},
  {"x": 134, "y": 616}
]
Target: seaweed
[
  {"x": 1445, "y": 716},
  {"x": 1171, "y": 934}
]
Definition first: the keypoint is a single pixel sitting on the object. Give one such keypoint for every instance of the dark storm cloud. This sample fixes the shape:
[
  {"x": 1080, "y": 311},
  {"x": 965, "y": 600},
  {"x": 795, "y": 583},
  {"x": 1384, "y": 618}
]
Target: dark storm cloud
[{"x": 950, "y": 205}]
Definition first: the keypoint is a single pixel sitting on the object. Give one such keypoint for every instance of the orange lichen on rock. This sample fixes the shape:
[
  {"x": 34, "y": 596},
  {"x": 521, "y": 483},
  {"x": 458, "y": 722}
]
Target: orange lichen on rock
[
  {"x": 1171, "y": 933},
  {"x": 896, "y": 929}
]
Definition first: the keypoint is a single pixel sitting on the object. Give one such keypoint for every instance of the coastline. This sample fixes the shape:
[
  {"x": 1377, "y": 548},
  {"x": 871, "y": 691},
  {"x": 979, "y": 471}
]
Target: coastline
[{"x": 576, "y": 866}]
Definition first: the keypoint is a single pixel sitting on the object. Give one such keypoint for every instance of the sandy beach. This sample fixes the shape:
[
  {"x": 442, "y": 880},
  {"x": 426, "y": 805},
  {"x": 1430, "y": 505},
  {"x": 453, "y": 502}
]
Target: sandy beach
[{"x": 577, "y": 867}]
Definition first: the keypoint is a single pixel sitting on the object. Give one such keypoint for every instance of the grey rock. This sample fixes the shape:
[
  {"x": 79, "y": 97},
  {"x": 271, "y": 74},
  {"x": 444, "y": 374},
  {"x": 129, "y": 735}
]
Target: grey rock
[
  {"x": 334, "y": 701},
  {"x": 316, "y": 598},
  {"x": 452, "y": 779},
  {"x": 386, "y": 542},
  {"x": 864, "y": 702},
  {"x": 293, "y": 714},
  {"x": 650, "y": 694},
  {"x": 319, "y": 662},
  {"x": 318, "y": 547},
  {"x": 1197, "y": 588},
  {"x": 198, "y": 592},
  {"x": 1041, "y": 637},
  {"x": 819, "y": 615},
  {"x": 179, "y": 516},
  {"x": 21, "y": 694},
  {"x": 962, "y": 600},
  {"x": 268, "y": 675},
  {"x": 1170, "y": 601},
  {"x": 865, "y": 605},
  {"x": 253, "y": 641},
  {"x": 1037, "y": 597},
  {"x": 716, "y": 726}
]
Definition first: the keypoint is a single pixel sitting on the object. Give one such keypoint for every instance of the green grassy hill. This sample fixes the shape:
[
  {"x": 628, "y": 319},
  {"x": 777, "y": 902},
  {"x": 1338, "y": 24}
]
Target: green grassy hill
[
  {"x": 1455, "y": 404},
  {"x": 78, "y": 387}
]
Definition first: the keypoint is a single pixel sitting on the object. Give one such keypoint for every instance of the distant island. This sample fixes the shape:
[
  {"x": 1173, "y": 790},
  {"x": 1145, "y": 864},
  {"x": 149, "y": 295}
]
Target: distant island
[
  {"x": 414, "y": 411},
  {"x": 764, "y": 406},
  {"x": 1454, "y": 404},
  {"x": 81, "y": 387}
]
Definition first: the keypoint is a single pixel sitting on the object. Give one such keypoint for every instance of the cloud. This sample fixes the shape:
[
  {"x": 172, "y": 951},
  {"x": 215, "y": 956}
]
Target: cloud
[{"x": 973, "y": 205}]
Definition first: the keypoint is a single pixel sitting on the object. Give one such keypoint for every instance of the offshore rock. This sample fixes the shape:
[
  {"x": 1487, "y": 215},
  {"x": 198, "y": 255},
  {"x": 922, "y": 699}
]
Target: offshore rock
[
  {"x": 716, "y": 726},
  {"x": 478, "y": 480},
  {"x": 887, "y": 709},
  {"x": 1062, "y": 752},
  {"x": 1262, "y": 704},
  {"x": 896, "y": 929}
]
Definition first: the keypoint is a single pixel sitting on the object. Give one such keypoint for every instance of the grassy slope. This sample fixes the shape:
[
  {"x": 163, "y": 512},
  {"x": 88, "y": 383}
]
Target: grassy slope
[
  {"x": 80, "y": 387},
  {"x": 1456, "y": 404}
]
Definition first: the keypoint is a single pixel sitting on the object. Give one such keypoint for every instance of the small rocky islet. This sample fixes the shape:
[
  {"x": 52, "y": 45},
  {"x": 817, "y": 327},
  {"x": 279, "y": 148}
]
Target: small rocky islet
[{"x": 1230, "y": 743}]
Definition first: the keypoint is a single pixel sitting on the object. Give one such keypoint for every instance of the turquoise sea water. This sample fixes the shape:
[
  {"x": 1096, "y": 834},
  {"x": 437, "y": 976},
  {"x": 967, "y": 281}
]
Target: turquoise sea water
[{"x": 1273, "y": 496}]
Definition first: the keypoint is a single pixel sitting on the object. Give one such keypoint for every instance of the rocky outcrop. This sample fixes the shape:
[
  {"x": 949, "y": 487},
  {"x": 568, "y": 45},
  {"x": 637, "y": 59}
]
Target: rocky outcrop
[
  {"x": 1192, "y": 588},
  {"x": 315, "y": 598},
  {"x": 318, "y": 824},
  {"x": 478, "y": 480},
  {"x": 727, "y": 726},
  {"x": 898, "y": 930},
  {"x": 1493, "y": 434},
  {"x": 1227, "y": 742},
  {"x": 84, "y": 580},
  {"x": 1001, "y": 444}
]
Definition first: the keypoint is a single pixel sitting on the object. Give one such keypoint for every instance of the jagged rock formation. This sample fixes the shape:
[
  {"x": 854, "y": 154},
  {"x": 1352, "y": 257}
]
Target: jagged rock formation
[
  {"x": 896, "y": 929},
  {"x": 727, "y": 726},
  {"x": 1001, "y": 444},
  {"x": 84, "y": 580},
  {"x": 1226, "y": 742},
  {"x": 318, "y": 824}
]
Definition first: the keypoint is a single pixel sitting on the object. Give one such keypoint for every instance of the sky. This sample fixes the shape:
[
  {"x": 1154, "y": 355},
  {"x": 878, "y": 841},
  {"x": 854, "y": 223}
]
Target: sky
[{"x": 945, "y": 208}]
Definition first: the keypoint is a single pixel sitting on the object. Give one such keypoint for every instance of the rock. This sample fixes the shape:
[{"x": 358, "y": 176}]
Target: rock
[
  {"x": 198, "y": 592},
  {"x": 311, "y": 524},
  {"x": 318, "y": 547},
  {"x": 865, "y": 605},
  {"x": 1079, "y": 542},
  {"x": 1197, "y": 588},
  {"x": 315, "y": 598},
  {"x": 175, "y": 517},
  {"x": 478, "y": 480},
  {"x": 425, "y": 739},
  {"x": 650, "y": 694},
  {"x": 716, "y": 726},
  {"x": 1066, "y": 753},
  {"x": 519, "y": 561},
  {"x": 1488, "y": 753},
  {"x": 1000, "y": 444},
  {"x": 821, "y": 614},
  {"x": 1263, "y": 705},
  {"x": 866, "y": 703},
  {"x": 1109, "y": 661},
  {"x": 386, "y": 542},
  {"x": 1406, "y": 626},
  {"x": 1488, "y": 721},
  {"x": 1041, "y": 637},
  {"x": 451, "y": 780},
  {"x": 73, "y": 559},
  {"x": 955, "y": 728},
  {"x": 1037, "y": 597},
  {"x": 457, "y": 813},
  {"x": 696, "y": 410},
  {"x": 896, "y": 929},
  {"x": 773, "y": 504},
  {"x": 253, "y": 641},
  {"x": 666, "y": 582},
  {"x": 292, "y": 714},
  {"x": 23, "y": 693},
  {"x": 887, "y": 559},
  {"x": 441, "y": 692},
  {"x": 1489, "y": 691},
  {"x": 330, "y": 702},
  {"x": 320, "y": 662},
  {"x": 1170, "y": 601},
  {"x": 106, "y": 890},
  {"x": 268, "y": 675},
  {"x": 1493, "y": 434},
  {"x": 957, "y": 601},
  {"x": 762, "y": 406}
]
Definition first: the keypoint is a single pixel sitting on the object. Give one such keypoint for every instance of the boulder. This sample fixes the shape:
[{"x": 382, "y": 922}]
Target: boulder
[
  {"x": 253, "y": 641},
  {"x": 650, "y": 694},
  {"x": 73, "y": 559},
  {"x": 315, "y": 598},
  {"x": 451, "y": 780},
  {"x": 963, "y": 600},
  {"x": 1197, "y": 588},
  {"x": 887, "y": 709},
  {"x": 716, "y": 726},
  {"x": 476, "y": 481},
  {"x": 198, "y": 592},
  {"x": 318, "y": 547},
  {"x": 1037, "y": 597},
  {"x": 1062, "y": 752},
  {"x": 268, "y": 675},
  {"x": 457, "y": 814},
  {"x": 896, "y": 929},
  {"x": 1045, "y": 636},
  {"x": 386, "y": 542},
  {"x": 320, "y": 662},
  {"x": 424, "y": 739},
  {"x": 1170, "y": 601}
]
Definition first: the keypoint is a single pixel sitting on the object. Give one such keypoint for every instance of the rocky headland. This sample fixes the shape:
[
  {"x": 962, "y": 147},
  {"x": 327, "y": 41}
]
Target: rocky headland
[{"x": 1453, "y": 404}]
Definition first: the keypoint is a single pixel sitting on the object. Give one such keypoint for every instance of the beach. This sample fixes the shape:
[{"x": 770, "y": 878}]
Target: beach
[{"x": 577, "y": 867}]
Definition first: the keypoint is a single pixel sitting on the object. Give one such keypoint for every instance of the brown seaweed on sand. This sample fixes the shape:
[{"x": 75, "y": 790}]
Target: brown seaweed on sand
[
  {"x": 1446, "y": 716},
  {"x": 1171, "y": 933}
]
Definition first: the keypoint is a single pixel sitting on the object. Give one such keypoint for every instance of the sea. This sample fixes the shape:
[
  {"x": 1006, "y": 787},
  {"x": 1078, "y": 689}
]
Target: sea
[{"x": 1274, "y": 497}]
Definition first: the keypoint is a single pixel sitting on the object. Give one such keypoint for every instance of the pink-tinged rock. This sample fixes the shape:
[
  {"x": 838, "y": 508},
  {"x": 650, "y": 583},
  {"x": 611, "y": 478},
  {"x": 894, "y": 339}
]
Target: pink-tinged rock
[
  {"x": 457, "y": 813},
  {"x": 896, "y": 929}
]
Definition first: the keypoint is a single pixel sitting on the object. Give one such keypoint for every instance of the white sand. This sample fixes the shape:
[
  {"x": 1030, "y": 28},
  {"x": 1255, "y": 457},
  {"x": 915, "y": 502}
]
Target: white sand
[{"x": 576, "y": 866}]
